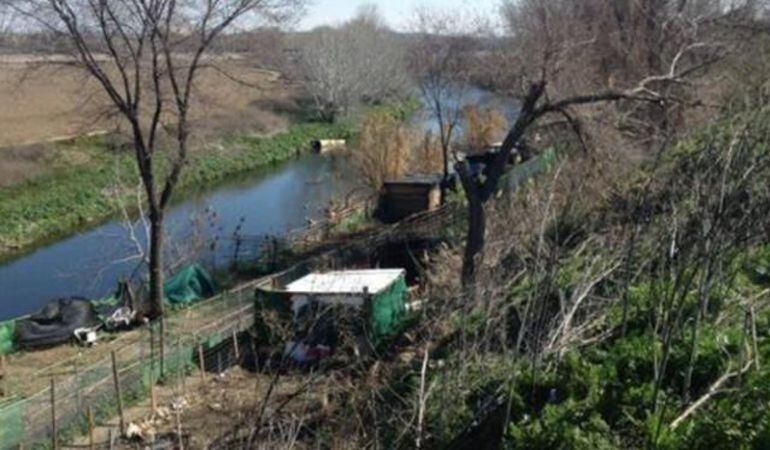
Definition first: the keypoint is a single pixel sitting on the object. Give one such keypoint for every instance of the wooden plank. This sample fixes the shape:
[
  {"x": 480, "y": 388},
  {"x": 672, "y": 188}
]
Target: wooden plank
[
  {"x": 54, "y": 428},
  {"x": 90, "y": 428}
]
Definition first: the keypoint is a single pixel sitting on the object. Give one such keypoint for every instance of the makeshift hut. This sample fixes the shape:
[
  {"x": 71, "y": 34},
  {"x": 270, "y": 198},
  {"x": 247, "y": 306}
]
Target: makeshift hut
[
  {"x": 315, "y": 303},
  {"x": 409, "y": 195}
]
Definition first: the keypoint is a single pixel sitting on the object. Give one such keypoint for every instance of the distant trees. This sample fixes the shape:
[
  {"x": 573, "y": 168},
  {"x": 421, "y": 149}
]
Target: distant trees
[
  {"x": 145, "y": 55},
  {"x": 361, "y": 61},
  {"x": 596, "y": 44}
]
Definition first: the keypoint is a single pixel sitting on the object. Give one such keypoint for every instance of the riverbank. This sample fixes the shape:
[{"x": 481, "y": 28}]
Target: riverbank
[{"x": 92, "y": 180}]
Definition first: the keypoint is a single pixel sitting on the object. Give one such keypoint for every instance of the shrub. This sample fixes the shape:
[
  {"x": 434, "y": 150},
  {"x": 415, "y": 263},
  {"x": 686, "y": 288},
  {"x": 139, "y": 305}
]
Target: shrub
[{"x": 382, "y": 149}]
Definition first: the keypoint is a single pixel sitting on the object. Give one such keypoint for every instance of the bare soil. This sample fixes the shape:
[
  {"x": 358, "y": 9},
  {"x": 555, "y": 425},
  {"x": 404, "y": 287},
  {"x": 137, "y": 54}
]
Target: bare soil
[
  {"x": 201, "y": 411},
  {"x": 41, "y": 103}
]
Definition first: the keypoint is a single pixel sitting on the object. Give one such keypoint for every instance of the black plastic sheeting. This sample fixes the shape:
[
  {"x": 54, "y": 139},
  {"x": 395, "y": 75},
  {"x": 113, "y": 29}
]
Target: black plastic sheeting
[{"x": 55, "y": 323}]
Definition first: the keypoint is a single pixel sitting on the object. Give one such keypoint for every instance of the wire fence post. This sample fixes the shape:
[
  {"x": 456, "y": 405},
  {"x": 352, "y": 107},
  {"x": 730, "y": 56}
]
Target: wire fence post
[
  {"x": 54, "y": 430},
  {"x": 78, "y": 393},
  {"x": 180, "y": 440},
  {"x": 182, "y": 370},
  {"x": 3, "y": 377},
  {"x": 162, "y": 346},
  {"x": 118, "y": 395},
  {"x": 146, "y": 354},
  {"x": 235, "y": 347},
  {"x": 202, "y": 362},
  {"x": 90, "y": 428}
]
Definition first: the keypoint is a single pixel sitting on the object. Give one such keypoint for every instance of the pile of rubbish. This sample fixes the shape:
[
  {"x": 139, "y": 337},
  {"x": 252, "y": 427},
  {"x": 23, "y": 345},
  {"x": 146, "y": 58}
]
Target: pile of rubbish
[
  {"x": 56, "y": 323},
  {"x": 66, "y": 319}
]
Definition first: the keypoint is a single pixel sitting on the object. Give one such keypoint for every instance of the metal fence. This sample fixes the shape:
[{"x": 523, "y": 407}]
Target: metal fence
[{"x": 62, "y": 408}]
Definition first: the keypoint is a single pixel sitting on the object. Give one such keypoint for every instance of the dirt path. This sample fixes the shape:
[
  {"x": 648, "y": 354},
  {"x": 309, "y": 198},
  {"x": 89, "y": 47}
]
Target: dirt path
[{"x": 200, "y": 409}]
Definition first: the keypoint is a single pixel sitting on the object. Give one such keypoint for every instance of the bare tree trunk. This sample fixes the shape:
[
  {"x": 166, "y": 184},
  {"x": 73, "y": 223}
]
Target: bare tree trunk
[
  {"x": 478, "y": 192},
  {"x": 445, "y": 159},
  {"x": 156, "y": 263},
  {"x": 477, "y": 224}
]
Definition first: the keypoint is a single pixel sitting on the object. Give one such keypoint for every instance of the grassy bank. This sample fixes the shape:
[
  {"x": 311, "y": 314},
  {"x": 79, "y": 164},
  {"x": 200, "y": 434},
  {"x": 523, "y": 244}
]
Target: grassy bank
[{"x": 75, "y": 195}]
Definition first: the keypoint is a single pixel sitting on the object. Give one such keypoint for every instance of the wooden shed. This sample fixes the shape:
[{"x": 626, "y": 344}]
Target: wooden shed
[{"x": 409, "y": 195}]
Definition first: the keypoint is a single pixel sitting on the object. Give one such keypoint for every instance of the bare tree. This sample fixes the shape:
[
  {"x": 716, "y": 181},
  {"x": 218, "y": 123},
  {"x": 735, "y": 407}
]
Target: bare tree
[
  {"x": 662, "y": 84},
  {"x": 6, "y": 20},
  {"x": 441, "y": 59},
  {"x": 145, "y": 55},
  {"x": 360, "y": 62}
]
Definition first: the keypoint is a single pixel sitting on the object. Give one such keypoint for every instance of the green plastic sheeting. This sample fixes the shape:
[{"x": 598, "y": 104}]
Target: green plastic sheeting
[
  {"x": 188, "y": 286},
  {"x": 7, "y": 342},
  {"x": 11, "y": 425},
  {"x": 388, "y": 309},
  {"x": 518, "y": 175}
]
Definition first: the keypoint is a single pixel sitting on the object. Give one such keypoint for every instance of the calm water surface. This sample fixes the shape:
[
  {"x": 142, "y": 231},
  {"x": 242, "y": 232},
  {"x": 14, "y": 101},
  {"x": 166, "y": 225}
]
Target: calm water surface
[{"x": 90, "y": 264}]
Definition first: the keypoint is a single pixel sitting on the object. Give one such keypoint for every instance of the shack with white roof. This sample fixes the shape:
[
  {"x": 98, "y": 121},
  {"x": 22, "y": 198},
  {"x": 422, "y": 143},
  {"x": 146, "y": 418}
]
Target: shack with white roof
[{"x": 375, "y": 299}]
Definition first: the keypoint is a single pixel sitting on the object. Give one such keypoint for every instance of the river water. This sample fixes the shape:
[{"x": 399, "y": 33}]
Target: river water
[
  {"x": 268, "y": 202},
  {"x": 89, "y": 264}
]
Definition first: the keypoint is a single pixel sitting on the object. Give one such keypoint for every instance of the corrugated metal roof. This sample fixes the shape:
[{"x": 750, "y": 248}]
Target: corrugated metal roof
[{"x": 346, "y": 282}]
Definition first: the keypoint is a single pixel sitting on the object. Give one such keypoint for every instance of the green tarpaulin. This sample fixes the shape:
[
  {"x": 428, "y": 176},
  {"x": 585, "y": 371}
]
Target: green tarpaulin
[
  {"x": 11, "y": 425},
  {"x": 188, "y": 286},
  {"x": 388, "y": 310},
  {"x": 6, "y": 337},
  {"x": 191, "y": 284},
  {"x": 525, "y": 171}
]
